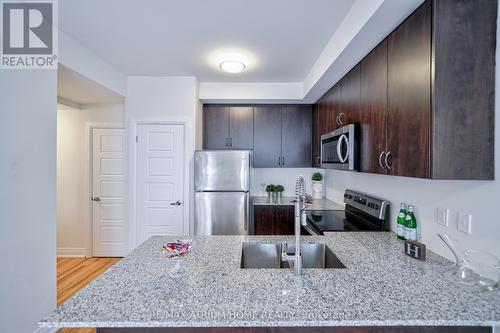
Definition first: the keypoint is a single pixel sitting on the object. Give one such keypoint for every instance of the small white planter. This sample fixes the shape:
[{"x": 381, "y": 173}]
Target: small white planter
[{"x": 317, "y": 189}]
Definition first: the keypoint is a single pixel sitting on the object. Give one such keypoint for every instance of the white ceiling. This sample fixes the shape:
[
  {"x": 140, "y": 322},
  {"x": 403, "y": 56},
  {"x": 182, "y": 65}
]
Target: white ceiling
[{"x": 281, "y": 38}]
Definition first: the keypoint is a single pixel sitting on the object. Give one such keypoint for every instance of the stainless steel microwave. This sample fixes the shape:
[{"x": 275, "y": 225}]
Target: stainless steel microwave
[{"x": 339, "y": 149}]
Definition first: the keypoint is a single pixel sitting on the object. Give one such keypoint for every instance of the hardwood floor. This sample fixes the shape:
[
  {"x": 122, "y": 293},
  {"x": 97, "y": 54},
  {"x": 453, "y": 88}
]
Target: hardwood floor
[{"x": 74, "y": 274}]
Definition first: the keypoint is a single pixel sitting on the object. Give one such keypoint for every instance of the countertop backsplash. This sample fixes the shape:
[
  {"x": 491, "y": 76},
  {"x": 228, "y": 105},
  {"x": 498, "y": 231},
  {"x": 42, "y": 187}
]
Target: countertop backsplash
[{"x": 285, "y": 176}]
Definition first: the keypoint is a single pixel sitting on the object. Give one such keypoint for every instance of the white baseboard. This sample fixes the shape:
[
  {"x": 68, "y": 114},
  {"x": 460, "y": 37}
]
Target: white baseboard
[{"x": 72, "y": 252}]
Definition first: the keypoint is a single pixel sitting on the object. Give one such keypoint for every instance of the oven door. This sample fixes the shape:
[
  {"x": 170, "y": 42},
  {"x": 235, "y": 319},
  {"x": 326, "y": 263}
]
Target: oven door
[{"x": 338, "y": 149}]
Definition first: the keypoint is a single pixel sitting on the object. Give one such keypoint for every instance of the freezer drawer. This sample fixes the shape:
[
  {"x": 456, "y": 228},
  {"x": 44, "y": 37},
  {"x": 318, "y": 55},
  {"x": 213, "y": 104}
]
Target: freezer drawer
[
  {"x": 222, "y": 170},
  {"x": 221, "y": 213}
]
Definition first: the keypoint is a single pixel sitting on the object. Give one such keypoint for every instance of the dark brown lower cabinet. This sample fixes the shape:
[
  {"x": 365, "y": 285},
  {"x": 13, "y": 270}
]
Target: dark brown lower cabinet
[
  {"x": 393, "y": 329},
  {"x": 263, "y": 220},
  {"x": 274, "y": 220}
]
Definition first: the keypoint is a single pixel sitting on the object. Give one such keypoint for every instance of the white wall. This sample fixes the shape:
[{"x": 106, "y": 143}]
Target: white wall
[
  {"x": 154, "y": 99},
  {"x": 72, "y": 177},
  {"x": 75, "y": 56},
  {"x": 479, "y": 198},
  {"x": 284, "y": 176},
  {"x": 27, "y": 197},
  {"x": 251, "y": 92}
]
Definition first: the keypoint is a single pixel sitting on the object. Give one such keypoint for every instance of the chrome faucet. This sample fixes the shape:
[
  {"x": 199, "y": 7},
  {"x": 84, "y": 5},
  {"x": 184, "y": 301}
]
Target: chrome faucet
[{"x": 300, "y": 219}]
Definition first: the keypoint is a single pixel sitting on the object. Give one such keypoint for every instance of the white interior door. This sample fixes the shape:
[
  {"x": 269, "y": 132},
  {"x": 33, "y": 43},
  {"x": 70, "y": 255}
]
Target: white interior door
[
  {"x": 160, "y": 179},
  {"x": 108, "y": 192}
]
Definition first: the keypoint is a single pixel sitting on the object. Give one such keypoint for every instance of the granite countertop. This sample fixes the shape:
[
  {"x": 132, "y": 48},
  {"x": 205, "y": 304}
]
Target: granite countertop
[
  {"x": 380, "y": 286},
  {"x": 317, "y": 204}
]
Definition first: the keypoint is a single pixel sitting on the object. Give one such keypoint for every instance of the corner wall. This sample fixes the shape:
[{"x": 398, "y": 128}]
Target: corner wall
[
  {"x": 27, "y": 197},
  {"x": 72, "y": 177},
  {"x": 158, "y": 99}
]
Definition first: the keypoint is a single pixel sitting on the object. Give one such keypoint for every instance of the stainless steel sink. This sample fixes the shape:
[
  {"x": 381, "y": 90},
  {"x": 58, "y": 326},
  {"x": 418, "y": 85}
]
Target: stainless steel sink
[
  {"x": 260, "y": 255},
  {"x": 268, "y": 255}
]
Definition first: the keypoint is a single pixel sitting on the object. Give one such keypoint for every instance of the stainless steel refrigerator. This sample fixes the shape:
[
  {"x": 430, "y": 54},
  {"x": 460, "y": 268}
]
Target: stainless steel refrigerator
[{"x": 222, "y": 186}]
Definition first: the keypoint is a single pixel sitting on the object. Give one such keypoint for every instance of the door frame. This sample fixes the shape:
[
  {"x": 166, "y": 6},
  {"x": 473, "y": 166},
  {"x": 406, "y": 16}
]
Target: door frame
[
  {"x": 88, "y": 176},
  {"x": 187, "y": 175}
]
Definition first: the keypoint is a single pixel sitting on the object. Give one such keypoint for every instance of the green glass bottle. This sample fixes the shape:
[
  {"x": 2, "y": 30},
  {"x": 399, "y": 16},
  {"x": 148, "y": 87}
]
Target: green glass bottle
[
  {"x": 401, "y": 224},
  {"x": 411, "y": 225}
]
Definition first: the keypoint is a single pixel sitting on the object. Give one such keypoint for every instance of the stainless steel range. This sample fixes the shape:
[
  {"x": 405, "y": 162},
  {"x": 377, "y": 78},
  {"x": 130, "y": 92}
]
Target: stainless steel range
[{"x": 362, "y": 213}]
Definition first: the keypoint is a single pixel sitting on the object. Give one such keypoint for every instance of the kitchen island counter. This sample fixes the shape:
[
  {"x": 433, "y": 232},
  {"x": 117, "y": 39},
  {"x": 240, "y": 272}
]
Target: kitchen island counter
[{"x": 380, "y": 286}]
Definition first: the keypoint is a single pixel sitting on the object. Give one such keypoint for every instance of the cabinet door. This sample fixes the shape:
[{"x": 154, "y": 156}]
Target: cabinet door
[
  {"x": 296, "y": 135},
  {"x": 350, "y": 94},
  {"x": 215, "y": 127},
  {"x": 409, "y": 82},
  {"x": 373, "y": 109},
  {"x": 267, "y": 137},
  {"x": 241, "y": 127},
  {"x": 284, "y": 220},
  {"x": 332, "y": 109},
  {"x": 264, "y": 220},
  {"x": 316, "y": 137}
]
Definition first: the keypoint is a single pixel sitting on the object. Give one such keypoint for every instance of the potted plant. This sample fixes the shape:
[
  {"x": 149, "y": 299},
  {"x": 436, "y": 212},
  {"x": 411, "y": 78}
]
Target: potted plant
[
  {"x": 279, "y": 191},
  {"x": 317, "y": 185},
  {"x": 270, "y": 190}
]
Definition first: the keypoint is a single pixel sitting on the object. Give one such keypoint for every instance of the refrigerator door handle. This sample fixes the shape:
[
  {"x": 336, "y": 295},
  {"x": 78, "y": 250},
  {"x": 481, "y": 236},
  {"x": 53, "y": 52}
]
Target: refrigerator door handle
[{"x": 245, "y": 226}]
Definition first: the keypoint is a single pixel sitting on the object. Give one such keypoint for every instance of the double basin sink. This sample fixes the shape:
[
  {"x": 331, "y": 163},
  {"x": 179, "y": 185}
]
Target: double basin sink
[{"x": 268, "y": 255}]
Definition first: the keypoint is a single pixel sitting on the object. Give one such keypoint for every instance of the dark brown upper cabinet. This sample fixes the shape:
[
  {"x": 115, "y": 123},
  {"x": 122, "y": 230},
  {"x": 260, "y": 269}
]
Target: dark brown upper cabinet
[
  {"x": 296, "y": 134},
  {"x": 409, "y": 96},
  {"x": 350, "y": 94},
  {"x": 463, "y": 90},
  {"x": 427, "y": 95},
  {"x": 282, "y": 136},
  {"x": 373, "y": 104},
  {"x": 318, "y": 121},
  {"x": 332, "y": 109},
  {"x": 215, "y": 127},
  {"x": 267, "y": 137},
  {"x": 325, "y": 119},
  {"x": 241, "y": 127},
  {"x": 227, "y": 127}
]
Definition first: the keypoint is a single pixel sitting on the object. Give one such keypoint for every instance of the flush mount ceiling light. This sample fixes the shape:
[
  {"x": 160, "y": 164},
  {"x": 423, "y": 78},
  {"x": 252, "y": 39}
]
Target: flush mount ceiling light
[
  {"x": 232, "y": 66},
  {"x": 232, "y": 60}
]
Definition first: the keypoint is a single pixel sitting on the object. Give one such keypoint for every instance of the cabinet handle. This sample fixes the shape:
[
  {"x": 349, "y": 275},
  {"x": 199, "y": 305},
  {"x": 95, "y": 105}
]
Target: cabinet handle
[
  {"x": 337, "y": 120},
  {"x": 340, "y": 118},
  {"x": 386, "y": 162},
  {"x": 279, "y": 160},
  {"x": 227, "y": 142},
  {"x": 282, "y": 160},
  {"x": 380, "y": 160},
  {"x": 230, "y": 142}
]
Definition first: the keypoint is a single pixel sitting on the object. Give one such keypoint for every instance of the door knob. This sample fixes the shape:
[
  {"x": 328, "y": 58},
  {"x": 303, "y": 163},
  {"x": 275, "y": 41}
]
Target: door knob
[
  {"x": 177, "y": 203},
  {"x": 97, "y": 199}
]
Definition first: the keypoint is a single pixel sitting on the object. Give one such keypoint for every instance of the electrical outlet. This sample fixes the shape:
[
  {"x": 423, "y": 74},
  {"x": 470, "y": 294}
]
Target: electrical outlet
[
  {"x": 465, "y": 223},
  {"x": 443, "y": 216}
]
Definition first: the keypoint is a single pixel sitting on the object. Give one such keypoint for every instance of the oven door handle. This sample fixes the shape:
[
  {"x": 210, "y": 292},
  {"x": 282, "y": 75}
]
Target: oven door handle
[{"x": 342, "y": 159}]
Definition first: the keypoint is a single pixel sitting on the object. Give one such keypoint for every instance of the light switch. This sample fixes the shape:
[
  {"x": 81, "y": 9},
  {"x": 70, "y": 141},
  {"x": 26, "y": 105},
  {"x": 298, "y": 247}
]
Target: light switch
[
  {"x": 443, "y": 216},
  {"x": 465, "y": 223}
]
